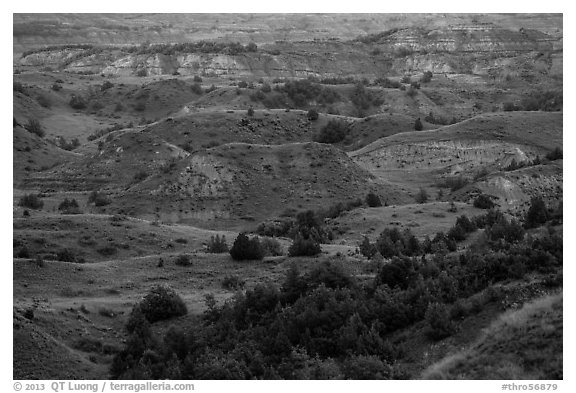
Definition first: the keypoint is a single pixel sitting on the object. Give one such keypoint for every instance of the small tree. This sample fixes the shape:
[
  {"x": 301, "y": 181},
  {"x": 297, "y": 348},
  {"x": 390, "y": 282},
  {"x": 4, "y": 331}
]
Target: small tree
[
  {"x": 250, "y": 112},
  {"x": 418, "y": 125},
  {"x": 372, "y": 200},
  {"x": 162, "y": 303},
  {"x": 333, "y": 132},
  {"x": 245, "y": 248},
  {"x": 537, "y": 213},
  {"x": 304, "y": 247},
  {"x": 367, "y": 249}
]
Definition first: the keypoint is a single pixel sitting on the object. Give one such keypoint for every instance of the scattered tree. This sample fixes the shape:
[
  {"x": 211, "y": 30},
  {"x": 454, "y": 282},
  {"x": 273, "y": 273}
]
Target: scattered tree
[{"x": 418, "y": 125}]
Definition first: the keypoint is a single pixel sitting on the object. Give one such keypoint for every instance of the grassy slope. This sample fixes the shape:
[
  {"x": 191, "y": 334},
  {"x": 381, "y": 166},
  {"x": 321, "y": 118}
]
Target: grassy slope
[{"x": 523, "y": 344}]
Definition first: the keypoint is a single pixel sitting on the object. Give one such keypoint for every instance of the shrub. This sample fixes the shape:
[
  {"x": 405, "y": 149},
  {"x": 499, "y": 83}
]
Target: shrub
[
  {"x": 245, "y": 248},
  {"x": 265, "y": 88},
  {"x": 66, "y": 255},
  {"x": 555, "y": 154},
  {"x": 233, "y": 282},
  {"x": 242, "y": 84},
  {"x": 210, "y": 89},
  {"x": 141, "y": 72},
  {"x": 98, "y": 199},
  {"x": 373, "y": 200},
  {"x": 106, "y": 85},
  {"x": 77, "y": 102},
  {"x": 217, "y": 245},
  {"x": 537, "y": 213},
  {"x": 312, "y": 115},
  {"x": 412, "y": 92},
  {"x": 197, "y": 89},
  {"x": 250, "y": 112},
  {"x": 107, "y": 251},
  {"x": 162, "y": 303},
  {"x": 510, "y": 107},
  {"x": 483, "y": 201},
  {"x": 421, "y": 196},
  {"x": 35, "y": 127},
  {"x": 140, "y": 106},
  {"x": 427, "y": 77},
  {"x": 197, "y": 79},
  {"x": 271, "y": 247},
  {"x": 69, "y": 206},
  {"x": 400, "y": 272},
  {"x": 31, "y": 201},
  {"x": 44, "y": 101},
  {"x": 333, "y": 132},
  {"x": 418, "y": 125},
  {"x": 183, "y": 260},
  {"x": 23, "y": 253},
  {"x": 439, "y": 324},
  {"x": 361, "y": 367},
  {"x": 18, "y": 87},
  {"x": 65, "y": 145},
  {"x": 304, "y": 247}
]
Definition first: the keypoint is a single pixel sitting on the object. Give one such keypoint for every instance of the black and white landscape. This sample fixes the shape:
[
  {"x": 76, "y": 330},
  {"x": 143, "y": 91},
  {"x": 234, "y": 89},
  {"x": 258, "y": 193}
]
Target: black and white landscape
[{"x": 287, "y": 196}]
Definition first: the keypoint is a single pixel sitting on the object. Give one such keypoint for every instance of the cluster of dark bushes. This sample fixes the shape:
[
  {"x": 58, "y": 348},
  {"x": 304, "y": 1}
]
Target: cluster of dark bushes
[
  {"x": 336, "y": 80},
  {"x": 454, "y": 183},
  {"x": 245, "y": 248},
  {"x": 229, "y": 48},
  {"x": 387, "y": 83},
  {"x": 31, "y": 201},
  {"x": 363, "y": 99},
  {"x": 548, "y": 101},
  {"x": 217, "y": 244},
  {"x": 290, "y": 226},
  {"x": 302, "y": 91},
  {"x": 57, "y": 47},
  {"x": 499, "y": 232},
  {"x": 324, "y": 324}
]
